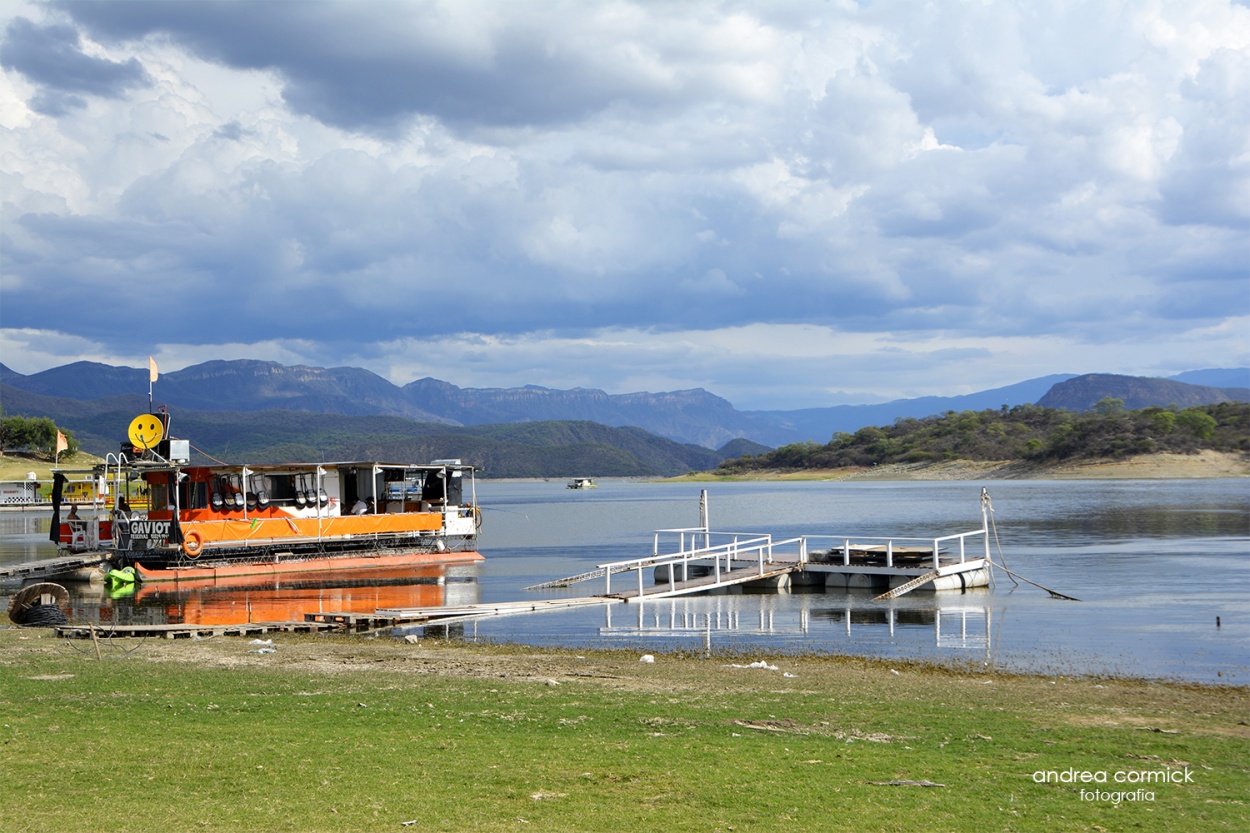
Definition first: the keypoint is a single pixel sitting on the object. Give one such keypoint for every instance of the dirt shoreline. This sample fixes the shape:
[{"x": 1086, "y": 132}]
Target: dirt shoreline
[
  {"x": 332, "y": 654},
  {"x": 1204, "y": 464}
]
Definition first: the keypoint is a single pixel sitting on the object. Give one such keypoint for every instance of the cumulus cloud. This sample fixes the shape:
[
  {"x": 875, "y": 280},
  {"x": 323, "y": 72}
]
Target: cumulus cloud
[{"x": 943, "y": 186}]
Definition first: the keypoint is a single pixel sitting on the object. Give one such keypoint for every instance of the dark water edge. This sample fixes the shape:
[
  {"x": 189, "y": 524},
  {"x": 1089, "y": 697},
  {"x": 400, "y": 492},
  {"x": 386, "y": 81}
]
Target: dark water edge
[{"x": 1155, "y": 563}]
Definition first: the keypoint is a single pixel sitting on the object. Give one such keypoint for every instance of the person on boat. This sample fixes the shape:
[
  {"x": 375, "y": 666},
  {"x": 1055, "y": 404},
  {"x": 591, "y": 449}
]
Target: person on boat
[
  {"x": 76, "y": 525},
  {"x": 360, "y": 507},
  {"x": 121, "y": 517}
]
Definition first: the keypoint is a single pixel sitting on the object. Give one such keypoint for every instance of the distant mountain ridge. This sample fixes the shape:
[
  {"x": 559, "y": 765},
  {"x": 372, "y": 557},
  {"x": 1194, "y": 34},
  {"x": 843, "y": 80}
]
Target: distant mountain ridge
[
  {"x": 241, "y": 385},
  {"x": 1082, "y": 393},
  {"x": 687, "y": 416}
]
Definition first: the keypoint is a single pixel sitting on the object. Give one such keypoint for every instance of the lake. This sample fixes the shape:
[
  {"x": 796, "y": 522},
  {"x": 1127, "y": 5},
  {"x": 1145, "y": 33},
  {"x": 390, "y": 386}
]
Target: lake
[{"x": 1162, "y": 569}]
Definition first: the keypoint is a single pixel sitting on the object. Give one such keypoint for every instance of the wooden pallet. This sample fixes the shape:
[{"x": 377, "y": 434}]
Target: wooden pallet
[
  {"x": 351, "y": 622},
  {"x": 185, "y": 631},
  {"x": 49, "y": 567}
]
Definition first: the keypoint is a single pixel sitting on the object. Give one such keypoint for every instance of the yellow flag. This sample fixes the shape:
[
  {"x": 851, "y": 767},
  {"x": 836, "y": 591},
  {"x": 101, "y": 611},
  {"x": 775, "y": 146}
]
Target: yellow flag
[{"x": 152, "y": 374}]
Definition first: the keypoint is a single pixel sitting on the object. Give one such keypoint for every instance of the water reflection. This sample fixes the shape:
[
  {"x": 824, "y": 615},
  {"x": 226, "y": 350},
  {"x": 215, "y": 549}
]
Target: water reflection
[
  {"x": 246, "y": 600},
  {"x": 960, "y": 621}
]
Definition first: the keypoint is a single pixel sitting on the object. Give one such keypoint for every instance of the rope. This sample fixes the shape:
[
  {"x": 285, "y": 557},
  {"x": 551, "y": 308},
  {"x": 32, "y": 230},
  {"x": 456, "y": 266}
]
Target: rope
[
  {"x": 209, "y": 456},
  {"x": 106, "y": 638},
  {"x": 989, "y": 504},
  {"x": 985, "y": 497},
  {"x": 1053, "y": 593},
  {"x": 43, "y": 616}
]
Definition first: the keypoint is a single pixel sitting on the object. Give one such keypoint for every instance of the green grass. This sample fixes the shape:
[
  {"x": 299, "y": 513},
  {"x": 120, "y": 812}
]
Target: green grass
[{"x": 345, "y": 734}]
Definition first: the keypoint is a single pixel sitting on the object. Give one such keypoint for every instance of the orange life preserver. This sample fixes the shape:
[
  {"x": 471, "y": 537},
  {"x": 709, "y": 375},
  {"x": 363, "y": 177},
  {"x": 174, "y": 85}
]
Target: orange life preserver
[{"x": 193, "y": 543}]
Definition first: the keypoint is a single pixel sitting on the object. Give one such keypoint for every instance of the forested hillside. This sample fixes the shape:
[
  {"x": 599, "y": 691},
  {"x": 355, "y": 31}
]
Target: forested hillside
[
  {"x": 1025, "y": 432},
  {"x": 529, "y": 449}
]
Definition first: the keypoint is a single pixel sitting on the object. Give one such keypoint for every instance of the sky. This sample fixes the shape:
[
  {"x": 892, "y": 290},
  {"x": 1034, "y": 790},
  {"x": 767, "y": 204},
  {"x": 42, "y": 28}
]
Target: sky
[{"x": 789, "y": 204}]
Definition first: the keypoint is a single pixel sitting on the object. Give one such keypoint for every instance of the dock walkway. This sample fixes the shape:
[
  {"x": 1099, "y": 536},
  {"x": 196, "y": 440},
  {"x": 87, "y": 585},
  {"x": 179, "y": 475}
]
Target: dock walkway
[
  {"x": 50, "y": 567},
  {"x": 109, "y": 630},
  {"x": 737, "y": 574}
]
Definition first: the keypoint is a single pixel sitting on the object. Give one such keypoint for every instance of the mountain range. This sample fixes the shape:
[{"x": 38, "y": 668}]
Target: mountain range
[{"x": 271, "y": 412}]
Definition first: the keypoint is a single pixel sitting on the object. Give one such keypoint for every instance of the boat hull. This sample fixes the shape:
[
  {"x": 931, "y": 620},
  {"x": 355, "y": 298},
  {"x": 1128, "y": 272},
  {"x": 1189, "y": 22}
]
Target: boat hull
[{"x": 215, "y": 571}]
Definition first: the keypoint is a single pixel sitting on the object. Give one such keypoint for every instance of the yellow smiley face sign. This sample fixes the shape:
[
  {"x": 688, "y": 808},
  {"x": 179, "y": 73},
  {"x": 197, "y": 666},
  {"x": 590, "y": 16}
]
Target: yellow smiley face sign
[{"x": 146, "y": 431}]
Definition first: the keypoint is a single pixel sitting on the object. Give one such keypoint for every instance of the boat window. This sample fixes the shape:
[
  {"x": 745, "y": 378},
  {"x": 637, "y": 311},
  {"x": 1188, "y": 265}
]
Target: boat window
[
  {"x": 195, "y": 496},
  {"x": 158, "y": 495},
  {"x": 282, "y": 488}
]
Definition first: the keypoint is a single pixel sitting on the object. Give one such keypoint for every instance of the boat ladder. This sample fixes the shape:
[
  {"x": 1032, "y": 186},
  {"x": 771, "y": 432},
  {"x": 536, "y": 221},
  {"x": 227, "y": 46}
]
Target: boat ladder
[{"x": 903, "y": 589}]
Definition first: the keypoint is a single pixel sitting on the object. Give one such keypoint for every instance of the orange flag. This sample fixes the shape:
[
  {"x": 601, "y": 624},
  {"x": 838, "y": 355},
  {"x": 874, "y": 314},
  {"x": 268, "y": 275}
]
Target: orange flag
[
  {"x": 62, "y": 444},
  {"x": 152, "y": 374}
]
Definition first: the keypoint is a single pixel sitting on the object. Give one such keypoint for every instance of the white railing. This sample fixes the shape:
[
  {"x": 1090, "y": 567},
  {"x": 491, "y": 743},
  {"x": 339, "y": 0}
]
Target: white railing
[
  {"x": 697, "y": 544},
  {"x": 742, "y": 546},
  {"x": 934, "y": 545}
]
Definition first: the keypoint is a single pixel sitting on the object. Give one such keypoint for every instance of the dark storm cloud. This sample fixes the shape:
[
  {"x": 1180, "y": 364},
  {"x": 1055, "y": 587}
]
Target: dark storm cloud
[
  {"x": 373, "y": 66},
  {"x": 52, "y": 58}
]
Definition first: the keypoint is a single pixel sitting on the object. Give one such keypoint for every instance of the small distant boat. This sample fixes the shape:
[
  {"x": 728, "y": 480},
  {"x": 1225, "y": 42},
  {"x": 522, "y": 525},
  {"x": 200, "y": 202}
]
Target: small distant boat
[
  {"x": 219, "y": 521},
  {"x": 582, "y": 483}
]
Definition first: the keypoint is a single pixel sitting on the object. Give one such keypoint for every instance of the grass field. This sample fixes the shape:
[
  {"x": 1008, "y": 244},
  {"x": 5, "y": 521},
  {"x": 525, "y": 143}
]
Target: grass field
[{"x": 349, "y": 733}]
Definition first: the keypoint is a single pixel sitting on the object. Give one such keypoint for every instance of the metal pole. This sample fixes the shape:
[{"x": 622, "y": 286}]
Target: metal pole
[
  {"x": 985, "y": 521},
  {"x": 703, "y": 519}
]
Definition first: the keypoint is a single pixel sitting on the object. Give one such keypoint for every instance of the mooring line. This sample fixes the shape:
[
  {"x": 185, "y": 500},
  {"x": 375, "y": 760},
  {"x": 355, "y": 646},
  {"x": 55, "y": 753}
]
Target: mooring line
[
  {"x": 989, "y": 504},
  {"x": 1054, "y": 593}
]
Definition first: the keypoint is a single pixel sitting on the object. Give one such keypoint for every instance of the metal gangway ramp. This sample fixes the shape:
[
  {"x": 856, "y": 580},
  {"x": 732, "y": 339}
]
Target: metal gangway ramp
[{"x": 743, "y": 559}]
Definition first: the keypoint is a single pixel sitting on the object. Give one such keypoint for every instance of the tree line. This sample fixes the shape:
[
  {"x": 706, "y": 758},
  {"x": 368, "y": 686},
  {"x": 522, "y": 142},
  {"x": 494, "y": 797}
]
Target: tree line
[
  {"x": 18, "y": 433},
  {"x": 1024, "y": 432}
]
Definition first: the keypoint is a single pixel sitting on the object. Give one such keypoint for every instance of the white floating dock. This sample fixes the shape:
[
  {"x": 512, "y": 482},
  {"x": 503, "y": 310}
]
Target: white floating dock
[{"x": 698, "y": 559}]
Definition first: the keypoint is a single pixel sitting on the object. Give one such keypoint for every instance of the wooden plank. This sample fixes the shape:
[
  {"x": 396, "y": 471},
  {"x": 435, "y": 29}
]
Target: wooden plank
[{"x": 492, "y": 609}]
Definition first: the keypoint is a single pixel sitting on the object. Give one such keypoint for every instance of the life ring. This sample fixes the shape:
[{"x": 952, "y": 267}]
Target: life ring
[{"x": 193, "y": 543}]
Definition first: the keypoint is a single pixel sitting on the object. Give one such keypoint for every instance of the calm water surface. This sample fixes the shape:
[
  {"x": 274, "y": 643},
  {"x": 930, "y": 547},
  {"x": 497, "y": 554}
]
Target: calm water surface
[{"x": 1155, "y": 564}]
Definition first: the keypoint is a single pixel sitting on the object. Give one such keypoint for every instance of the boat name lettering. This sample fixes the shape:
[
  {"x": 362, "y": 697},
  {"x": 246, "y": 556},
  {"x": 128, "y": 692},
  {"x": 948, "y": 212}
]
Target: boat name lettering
[{"x": 149, "y": 529}]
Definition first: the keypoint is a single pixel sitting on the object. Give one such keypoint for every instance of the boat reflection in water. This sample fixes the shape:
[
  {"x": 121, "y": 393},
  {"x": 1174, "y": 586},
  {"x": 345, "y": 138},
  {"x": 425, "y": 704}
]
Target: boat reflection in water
[{"x": 244, "y": 600}]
